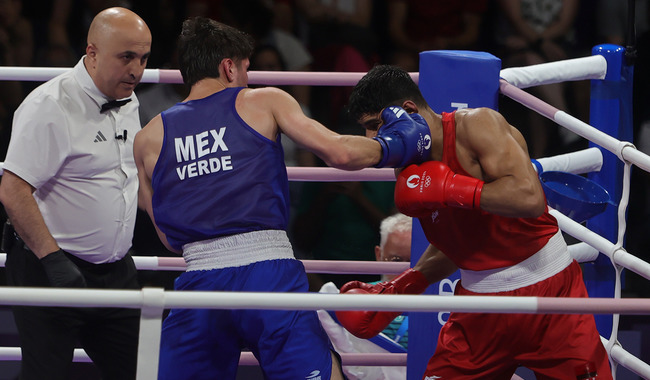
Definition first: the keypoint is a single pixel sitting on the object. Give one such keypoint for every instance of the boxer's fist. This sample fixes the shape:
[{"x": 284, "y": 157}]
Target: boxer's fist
[
  {"x": 423, "y": 188},
  {"x": 62, "y": 272},
  {"x": 366, "y": 324},
  {"x": 405, "y": 139}
]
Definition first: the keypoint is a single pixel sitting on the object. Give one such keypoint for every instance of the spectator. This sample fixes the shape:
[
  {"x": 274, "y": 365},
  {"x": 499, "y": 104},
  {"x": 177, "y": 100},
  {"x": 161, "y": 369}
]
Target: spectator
[
  {"x": 415, "y": 26},
  {"x": 612, "y": 20},
  {"x": 395, "y": 246},
  {"x": 267, "y": 57},
  {"x": 255, "y": 18},
  {"x": 341, "y": 37},
  {"x": 16, "y": 49},
  {"x": 533, "y": 32}
]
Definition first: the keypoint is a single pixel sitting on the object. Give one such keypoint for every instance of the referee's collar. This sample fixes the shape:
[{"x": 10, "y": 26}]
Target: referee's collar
[{"x": 88, "y": 86}]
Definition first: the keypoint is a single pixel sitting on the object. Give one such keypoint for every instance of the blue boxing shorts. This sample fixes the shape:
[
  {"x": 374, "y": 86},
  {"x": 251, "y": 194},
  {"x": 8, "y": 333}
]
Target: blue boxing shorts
[{"x": 206, "y": 343}]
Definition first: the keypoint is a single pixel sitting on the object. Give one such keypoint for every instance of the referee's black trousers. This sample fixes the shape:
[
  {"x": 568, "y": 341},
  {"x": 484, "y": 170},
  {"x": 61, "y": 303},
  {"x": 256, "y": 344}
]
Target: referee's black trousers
[{"x": 48, "y": 335}]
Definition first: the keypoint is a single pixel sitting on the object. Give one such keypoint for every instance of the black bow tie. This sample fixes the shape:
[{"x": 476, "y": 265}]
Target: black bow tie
[{"x": 113, "y": 104}]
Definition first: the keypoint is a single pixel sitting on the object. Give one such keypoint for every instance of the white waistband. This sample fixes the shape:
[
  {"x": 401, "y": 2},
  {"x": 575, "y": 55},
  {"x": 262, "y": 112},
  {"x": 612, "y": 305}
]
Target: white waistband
[
  {"x": 237, "y": 250},
  {"x": 547, "y": 262}
]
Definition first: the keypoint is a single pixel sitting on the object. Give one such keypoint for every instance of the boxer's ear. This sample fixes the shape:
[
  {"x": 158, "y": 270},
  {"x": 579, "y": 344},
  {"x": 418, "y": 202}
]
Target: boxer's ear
[{"x": 410, "y": 106}]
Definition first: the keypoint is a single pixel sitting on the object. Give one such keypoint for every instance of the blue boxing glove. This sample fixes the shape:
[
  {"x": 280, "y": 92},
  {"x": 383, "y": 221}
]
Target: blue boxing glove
[{"x": 405, "y": 139}]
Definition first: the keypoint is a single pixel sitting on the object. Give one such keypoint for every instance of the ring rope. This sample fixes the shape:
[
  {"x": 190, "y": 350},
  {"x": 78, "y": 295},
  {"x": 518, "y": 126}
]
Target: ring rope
[
  {"x": 578, "y": 162},
  {"x": 163, "y": 263},
  {"x": 592, "y": 67},
  {"x": 247, "y": 358},
  {"x": 305, "y": 174},
  {"x": 629, "y": 361},
  {"x": 613, "y": 251},
  {"x": 622, "y": 149},
  {"x": 135, "y": 299},
  {"x": 274, "y": 78},
  {"x": 582, "y": 252}
]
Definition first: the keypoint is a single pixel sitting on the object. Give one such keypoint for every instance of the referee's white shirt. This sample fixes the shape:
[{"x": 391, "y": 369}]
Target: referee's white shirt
[{"x": 85, "y": 178}]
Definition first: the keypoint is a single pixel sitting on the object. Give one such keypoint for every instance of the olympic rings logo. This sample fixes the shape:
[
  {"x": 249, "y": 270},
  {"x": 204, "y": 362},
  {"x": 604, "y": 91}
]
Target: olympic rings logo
[{"x": 424, "y": 144}]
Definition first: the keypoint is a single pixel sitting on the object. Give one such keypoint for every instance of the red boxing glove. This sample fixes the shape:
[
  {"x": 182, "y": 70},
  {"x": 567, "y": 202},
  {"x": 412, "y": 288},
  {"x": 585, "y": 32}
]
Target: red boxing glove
[
  {"x": 423, "y": 188},
  {"x": 366, "y": 324}
]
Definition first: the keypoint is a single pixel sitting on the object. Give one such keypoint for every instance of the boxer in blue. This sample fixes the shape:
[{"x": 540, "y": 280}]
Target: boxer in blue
[{"x": 213, "y": 180}]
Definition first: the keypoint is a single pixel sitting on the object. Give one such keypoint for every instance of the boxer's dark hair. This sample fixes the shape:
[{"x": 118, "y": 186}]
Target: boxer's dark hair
[
  {"x": 204, "y": 43},
  {"x": 383, "y": 86}
]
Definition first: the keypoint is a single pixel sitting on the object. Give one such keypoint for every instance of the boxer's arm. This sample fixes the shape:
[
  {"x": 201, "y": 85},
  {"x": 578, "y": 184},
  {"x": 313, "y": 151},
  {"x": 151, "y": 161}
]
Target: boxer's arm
[
  {"x": 368, "y": 323},
  {"x": 435, "y": 265},
  {"x": 146, "y": 148},
  {"x": 432, "y": 266},
  {"x": 271, "y": 110},
  {"x": 512, "y": 187}
]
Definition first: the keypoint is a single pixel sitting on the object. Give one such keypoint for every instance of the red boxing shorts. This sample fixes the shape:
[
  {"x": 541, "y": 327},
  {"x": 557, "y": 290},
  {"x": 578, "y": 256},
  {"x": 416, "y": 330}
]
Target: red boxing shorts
[{"x": 492, "y": 346}]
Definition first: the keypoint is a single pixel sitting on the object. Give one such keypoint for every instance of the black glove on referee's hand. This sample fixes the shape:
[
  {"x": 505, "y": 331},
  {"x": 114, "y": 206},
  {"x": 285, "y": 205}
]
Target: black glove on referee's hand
[{"x": 62, "y": 272}]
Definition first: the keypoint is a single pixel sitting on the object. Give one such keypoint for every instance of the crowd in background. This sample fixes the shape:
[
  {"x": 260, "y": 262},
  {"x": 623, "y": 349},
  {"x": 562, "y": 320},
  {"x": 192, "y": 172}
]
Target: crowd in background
[{"x": 353, "y": 35}]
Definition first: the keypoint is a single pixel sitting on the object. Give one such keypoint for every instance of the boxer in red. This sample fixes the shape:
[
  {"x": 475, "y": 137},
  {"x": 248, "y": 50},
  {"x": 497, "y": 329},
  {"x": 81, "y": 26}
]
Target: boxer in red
[{"x": 483, "y": 210}]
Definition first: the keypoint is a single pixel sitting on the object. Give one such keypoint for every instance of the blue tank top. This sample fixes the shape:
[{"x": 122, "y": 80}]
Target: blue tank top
[{"x": 216, "y": 175}]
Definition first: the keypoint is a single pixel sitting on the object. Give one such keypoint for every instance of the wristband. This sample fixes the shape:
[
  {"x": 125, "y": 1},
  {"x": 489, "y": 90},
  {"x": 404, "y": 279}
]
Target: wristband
[
  {"x": 464, "y": 192},
  {"x": 411, "y": 281}
]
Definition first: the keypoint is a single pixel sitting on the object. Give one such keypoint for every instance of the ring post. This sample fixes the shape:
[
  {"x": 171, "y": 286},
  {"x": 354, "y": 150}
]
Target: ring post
[
  {"x": 449, "y": 80},
  {"x": 611, "y": 113},
  {"x": 153, "y": 305}
]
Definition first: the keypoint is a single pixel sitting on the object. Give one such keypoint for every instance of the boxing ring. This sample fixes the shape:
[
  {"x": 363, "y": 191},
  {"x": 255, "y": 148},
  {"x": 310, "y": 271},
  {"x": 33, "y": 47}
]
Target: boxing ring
[{"x": 153, "y": 301}]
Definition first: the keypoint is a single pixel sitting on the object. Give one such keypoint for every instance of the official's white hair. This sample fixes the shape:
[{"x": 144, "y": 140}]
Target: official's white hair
[{"x": 394, "y": 223}]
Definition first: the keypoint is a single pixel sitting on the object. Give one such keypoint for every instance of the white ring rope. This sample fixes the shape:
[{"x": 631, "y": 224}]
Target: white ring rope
[
  {"x": 622, "y": 149},
  {"x": 579, "y": 162},
  {"x": 626, "y": 359},
  {"x": 271, "y": 78},
  {"x": 616, "y": 253},
  {"x": 247, "y": 358},
  {"x": 298, "y": 173},
  {"x": 593, "y": 67},
  {"x": 306, "y": 301},
  {"x": 582, "y": 252},
  {"x": 311, "y": 266},
  {"x": 135, "y": 299}
]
